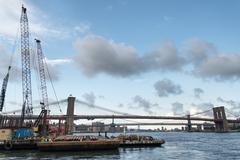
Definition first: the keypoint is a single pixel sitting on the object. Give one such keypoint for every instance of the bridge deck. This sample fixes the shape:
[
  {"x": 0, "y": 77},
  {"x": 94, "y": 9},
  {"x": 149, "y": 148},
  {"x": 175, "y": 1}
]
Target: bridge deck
[{"x": 91, "y": 117}]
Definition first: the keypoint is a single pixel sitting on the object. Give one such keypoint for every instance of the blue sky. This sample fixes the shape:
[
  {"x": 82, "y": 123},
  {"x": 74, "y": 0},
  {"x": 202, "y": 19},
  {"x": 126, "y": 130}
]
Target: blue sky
[{"x": 141, "y": 57}]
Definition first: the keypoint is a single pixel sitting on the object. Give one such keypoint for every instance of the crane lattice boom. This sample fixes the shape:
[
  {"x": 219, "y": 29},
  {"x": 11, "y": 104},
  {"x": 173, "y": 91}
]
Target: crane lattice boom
[
  {"x": 43, "y": 85},
  {"x": 26, "y": 70},
  {"x": 4, "y": 89}
]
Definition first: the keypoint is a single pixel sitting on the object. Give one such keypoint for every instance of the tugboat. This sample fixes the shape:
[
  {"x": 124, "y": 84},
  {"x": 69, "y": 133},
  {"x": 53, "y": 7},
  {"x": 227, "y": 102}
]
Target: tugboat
[
  {"x": 78, "y": 143},
  {"x": 139, "y": 141}
]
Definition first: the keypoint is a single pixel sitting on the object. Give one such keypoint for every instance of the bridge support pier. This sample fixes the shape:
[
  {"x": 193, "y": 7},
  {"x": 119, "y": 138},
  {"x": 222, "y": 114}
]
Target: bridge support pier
[
  {"x": 112, "y": 125},
  {"x": 70, "y": 115},
  {"x": 220, "y": 119},
  {"x": 189, "y": 126}
]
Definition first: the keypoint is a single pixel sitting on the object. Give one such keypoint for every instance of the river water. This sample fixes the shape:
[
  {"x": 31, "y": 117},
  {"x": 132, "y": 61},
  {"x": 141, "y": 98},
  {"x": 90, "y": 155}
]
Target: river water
[{"x": 182, "y": 146}]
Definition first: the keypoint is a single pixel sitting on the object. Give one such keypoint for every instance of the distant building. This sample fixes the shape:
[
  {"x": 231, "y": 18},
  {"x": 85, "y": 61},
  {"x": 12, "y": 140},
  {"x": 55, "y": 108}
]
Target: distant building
[
  {"x": 209, "y": 127},
  {"x": 98, "y": 127},
  {"x": 115, "y": 128},
  {"x": 81, "y": 128},
  {"x": 234, "y": 126},
  {"x": 199, "y": 127}
]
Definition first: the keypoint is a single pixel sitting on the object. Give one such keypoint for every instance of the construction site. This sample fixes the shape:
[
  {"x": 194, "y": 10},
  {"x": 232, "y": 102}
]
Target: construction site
[
  {"x": 27, "y": 131},
  {"x": 21, "y": 129}
]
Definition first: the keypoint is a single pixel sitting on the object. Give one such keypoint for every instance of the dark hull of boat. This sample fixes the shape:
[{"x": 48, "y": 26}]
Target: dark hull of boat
[
  {"x": 19, "y": 146},
  {"x": 140, "y": 144},
  {"x": 78, "y": 146}
]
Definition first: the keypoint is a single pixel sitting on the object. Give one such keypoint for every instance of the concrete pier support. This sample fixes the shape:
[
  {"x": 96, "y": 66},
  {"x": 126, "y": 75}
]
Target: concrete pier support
[
  {"x": 70, "y": 115},
  {"x": 189, "y": 126},
  {"x": 220, "y": 119},
  {"x": 112, "y": 125}
]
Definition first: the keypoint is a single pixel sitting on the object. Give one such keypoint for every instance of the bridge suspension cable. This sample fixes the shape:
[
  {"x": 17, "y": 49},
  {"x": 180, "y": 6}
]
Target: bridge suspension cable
[
  {"x": 37, "y": 107},
  {"x": 100, "y": 108},
  {"x": 231, "y": 113},
  {"x": 198, "y": 113}
]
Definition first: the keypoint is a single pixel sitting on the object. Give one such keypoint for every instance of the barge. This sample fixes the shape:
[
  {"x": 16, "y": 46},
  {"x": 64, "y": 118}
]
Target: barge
[
  {"x": 18, "y": 145},
  {"x": 139, "y": 141},
  {"x": 79, "y": 143},
  {"x": 18, "y": 139}
]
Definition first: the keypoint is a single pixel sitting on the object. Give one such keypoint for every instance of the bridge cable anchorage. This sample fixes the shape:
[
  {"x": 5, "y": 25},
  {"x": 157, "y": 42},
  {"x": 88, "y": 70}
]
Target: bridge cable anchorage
[{"x": 101, "y": 108}]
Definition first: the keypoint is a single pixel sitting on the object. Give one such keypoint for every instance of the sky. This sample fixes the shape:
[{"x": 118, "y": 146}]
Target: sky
[{"x": 158, "y": 57}]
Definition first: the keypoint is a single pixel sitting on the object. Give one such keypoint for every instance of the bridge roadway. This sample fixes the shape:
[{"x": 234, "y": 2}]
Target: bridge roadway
[
  {"x": 92, "y": 117},
  {"x": 152, "y": 124}
]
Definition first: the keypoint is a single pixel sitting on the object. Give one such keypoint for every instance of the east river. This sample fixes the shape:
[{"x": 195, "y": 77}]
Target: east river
[{"x": 180, "y": 146}]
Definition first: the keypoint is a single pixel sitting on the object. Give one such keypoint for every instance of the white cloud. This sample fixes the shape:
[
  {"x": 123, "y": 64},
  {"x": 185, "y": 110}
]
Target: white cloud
[
  {"x": 204, "y": 108},
  {"x": 97, "y": 55},
  {"x": 177, "y": 108},
  {"x": 82, "y": 28},
  {"x": 166, "y": 87},
  {"x": 220, "y": 67},
  {"x": 53, "y": 67},
  {"x": 10, "y": 12},
  {"x": 90, "y": 98},
  {"x": 39, "y": 23},
  {"x": 143, "y": 103},
  {"x": 197, "y": 50},
  {"x": 198, "y": 92},
  {"x": 15, "y": 72},
  {"x": 55, "y": 62}
]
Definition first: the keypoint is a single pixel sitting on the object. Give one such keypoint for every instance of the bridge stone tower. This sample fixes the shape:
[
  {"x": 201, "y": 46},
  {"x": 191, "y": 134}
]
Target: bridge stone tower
[
  {"x": 70, "y": 115},
  {"x": 220, "y": 119}
]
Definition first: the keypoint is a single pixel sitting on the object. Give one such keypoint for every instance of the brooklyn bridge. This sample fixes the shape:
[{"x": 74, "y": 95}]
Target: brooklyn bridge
[{"x": 219, "y": 119}]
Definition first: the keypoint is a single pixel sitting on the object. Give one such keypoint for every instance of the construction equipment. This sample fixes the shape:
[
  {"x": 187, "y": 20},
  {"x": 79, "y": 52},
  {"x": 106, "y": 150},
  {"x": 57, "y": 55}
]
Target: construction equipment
[
  {"x": 26, "y": 70},
  {"x": 43, "y": 87},
  {"x": 27, "y": 108},
  {"x": 4, "y": 88},
  {"x": 23, "y": 114}
]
